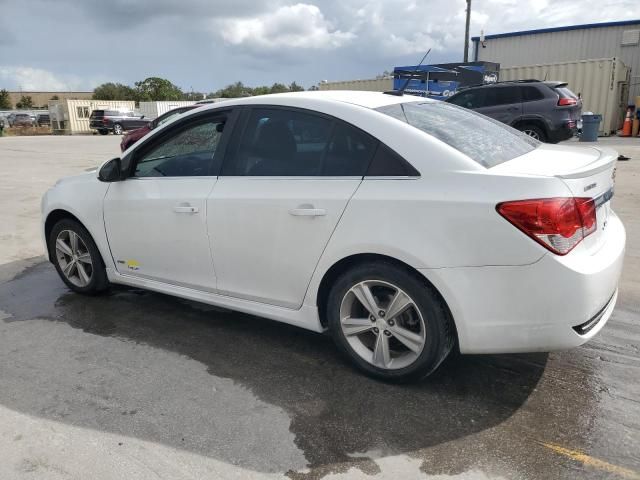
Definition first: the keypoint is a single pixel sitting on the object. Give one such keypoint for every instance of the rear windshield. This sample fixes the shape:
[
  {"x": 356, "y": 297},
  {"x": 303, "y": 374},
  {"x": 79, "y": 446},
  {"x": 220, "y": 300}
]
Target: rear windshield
[
  {"x": 564, "y": 92},
  {"x": 481, "y": 138}
]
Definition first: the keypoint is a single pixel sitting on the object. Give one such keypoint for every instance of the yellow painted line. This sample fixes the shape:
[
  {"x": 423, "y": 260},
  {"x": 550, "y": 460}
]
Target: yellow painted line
[{"x": 593, "y": 462}]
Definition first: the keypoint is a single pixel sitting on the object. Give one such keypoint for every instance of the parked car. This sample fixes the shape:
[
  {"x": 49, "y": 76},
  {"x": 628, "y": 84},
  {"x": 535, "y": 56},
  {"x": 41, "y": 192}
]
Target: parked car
[
  {"x": 11, "y": 118},
  {"x": 133, "y": 136},
  {"x": 23, "y": 120},
  {"x": 43, "y": 120},
  {"x": 359, "y": 213},
  {"x": 547, "y": 111},
  {"x": 116, "y": 121}
]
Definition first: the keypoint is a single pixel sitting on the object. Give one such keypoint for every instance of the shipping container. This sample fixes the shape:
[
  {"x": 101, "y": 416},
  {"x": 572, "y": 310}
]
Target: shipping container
[
  {"x": 153, "y": 110},
  {"x": 70, "y": 117},
  {"x": 370, "y": 85},
  {"x": 603, "y": 85}
]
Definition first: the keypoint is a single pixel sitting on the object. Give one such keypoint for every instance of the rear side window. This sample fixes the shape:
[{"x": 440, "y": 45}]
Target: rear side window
[
  {"x": 482, "y": 139},
  {"x": 501, "y": 96},
  {"x": 282, "y": 142},
  {"x": 531, "y": 94}
]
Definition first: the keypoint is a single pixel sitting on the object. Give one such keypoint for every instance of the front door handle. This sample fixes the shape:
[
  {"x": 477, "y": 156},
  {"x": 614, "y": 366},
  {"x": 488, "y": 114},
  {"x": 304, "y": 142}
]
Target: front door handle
[
  {"x": 185, "y": 208},
  {"x": 307, "y": 212}
]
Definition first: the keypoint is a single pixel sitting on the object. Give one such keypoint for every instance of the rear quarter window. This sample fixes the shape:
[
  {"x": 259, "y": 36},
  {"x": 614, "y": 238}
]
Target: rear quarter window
[{"x": 482, "y": 139}]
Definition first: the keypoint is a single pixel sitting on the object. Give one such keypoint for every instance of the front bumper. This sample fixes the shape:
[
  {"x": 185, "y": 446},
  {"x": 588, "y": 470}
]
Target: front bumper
[{"x": 532, "y": 308}]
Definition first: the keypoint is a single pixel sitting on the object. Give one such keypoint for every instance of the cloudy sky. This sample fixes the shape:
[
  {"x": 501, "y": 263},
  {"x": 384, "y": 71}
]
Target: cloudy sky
[{"x": 206, "y": 44}]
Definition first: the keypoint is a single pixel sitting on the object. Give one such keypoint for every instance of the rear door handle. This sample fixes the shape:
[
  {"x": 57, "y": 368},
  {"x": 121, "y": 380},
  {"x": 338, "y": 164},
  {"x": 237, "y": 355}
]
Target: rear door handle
[
  {"x": 308, "y": 212},
  {"x": 185, "y": 208}
]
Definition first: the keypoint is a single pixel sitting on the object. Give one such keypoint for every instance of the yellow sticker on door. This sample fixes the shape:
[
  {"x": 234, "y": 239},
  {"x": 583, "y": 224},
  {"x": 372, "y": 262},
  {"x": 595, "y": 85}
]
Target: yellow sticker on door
[{"x": 132, "y": 265}]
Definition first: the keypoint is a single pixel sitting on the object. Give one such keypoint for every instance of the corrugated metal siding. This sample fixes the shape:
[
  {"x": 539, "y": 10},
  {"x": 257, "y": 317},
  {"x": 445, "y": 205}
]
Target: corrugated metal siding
[
  {"x": 152, "y": 110},
  {"x": 565, "y": 46},
  {"x": 371, "y": 85},
  {"x": 599, "y": 82},
  {"x": 66, "y": 118}
]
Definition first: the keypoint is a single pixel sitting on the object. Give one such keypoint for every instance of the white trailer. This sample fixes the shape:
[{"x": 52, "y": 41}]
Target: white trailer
[
  {"x": 71, "y": 117},
  {"x": 153, "y": 110}
]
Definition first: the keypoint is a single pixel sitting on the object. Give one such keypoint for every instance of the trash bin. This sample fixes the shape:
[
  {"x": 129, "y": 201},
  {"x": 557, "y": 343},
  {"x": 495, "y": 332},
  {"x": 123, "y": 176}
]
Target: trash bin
[{"x": 590, "y": 127}]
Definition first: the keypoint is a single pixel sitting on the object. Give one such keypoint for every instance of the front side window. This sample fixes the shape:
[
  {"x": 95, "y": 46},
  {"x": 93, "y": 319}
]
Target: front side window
[
  {"x": 187, "y": 153},
  {"x": 482, "y": 139},
  {"x": 280, "y": 142},
  {"x": 471, "y": 99}
]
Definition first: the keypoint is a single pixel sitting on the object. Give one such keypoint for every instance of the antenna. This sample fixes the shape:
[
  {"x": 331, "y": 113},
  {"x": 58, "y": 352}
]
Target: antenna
[{"x": 400, "y": 92}]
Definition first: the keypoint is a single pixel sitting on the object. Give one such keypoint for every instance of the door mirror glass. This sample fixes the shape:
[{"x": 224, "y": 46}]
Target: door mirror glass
[{"x": 111, "y": 171}]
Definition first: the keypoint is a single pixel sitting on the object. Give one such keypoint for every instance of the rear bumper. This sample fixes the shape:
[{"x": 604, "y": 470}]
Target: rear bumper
[{"x": 537, "y": 307}]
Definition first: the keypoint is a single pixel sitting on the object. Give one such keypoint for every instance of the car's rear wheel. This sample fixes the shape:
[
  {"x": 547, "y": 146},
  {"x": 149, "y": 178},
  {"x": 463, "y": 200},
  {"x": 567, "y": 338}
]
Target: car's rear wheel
[
  {"x": 389, "y": 322},
  {"x": 104, "y": 132},
  {"x": 76, "y": 258},
  {"x": 117, "y": 129},
  {"x": 534, "y": 132}
]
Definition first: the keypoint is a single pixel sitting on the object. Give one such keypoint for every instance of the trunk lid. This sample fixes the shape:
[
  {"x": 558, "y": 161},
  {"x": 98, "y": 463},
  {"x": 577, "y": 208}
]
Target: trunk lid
[{"x": 588, "y": 172}]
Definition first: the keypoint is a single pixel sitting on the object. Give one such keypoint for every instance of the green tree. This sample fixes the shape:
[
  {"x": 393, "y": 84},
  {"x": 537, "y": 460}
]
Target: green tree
[
  {"x": 294, "y": 87},
  {"x": 5, "y": 101},
  {"x": 157, "y": 89},
  {"x": 278, "y": 88},
  {"x": 26, "y": 102},
  {"x": 55, "y": 97},
  {"x": 193, "y": 96},
  {"x": 234, "y": 90},
  {"x": 114, "y": 91}
]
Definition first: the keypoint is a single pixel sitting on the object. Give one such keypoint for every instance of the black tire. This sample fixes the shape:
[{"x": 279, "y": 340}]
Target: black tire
[
  {"x": 117, "y": 126},
  {"x": 103, "y": 132},
  {"x": 533, "y": 131},
  {"x": 439, "y": 329},
  {"x": 98, "y": 282}
]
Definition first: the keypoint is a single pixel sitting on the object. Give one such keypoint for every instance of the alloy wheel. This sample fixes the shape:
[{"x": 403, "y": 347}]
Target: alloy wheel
[
  {"x": 532, "y": 134},
  {"x": 117, "y": 129},
  {"x": 382, "y": 324},
  {"x": 74, "y": 258}
]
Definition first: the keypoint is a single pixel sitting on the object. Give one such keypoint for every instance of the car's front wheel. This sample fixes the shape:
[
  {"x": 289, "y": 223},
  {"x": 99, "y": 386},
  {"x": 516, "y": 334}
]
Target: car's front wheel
[
  {"x": 76, "y": 258},
  {"x": 389, "y": 322},
  {"x": 117, "y": 129}
]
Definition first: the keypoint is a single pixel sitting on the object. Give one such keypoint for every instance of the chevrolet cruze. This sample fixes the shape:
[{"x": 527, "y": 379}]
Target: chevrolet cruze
[{"x": 404, "y": 227}]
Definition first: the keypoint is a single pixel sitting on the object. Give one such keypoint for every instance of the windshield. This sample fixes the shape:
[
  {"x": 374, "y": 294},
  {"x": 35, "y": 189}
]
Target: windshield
[{"x": 482, "y": 139}]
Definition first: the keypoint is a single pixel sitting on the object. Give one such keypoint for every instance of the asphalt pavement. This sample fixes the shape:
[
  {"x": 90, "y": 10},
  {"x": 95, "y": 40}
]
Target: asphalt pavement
[{"x": 134, "y": 384}]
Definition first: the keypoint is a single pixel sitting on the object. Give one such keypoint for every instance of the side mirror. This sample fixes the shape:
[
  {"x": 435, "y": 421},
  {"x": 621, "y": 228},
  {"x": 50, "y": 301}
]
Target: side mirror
[
  {"x": 111, "y": 171},
  {"x": 142, "y": 117}
]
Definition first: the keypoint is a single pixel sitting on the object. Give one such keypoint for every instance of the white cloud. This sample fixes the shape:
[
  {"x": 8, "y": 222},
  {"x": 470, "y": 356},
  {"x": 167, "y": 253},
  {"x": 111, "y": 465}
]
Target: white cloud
[
  {"x": 34, "y": 79},
  {"x": 296, "y": 26}
]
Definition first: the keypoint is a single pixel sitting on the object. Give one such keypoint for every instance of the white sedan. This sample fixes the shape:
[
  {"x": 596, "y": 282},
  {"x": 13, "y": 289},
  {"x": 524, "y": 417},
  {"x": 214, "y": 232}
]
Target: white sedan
[{"x": 405, "y": 227}]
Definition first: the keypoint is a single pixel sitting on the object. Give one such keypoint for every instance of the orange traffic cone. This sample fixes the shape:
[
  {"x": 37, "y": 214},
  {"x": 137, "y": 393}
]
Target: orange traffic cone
[{"x": 626, "y": 126}]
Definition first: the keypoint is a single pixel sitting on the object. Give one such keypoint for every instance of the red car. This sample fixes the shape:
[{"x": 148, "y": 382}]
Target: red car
[{"x": 133, "y": 136}]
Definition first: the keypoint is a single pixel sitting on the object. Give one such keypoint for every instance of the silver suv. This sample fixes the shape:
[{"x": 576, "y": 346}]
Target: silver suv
[{"x": 547, "y": 111}]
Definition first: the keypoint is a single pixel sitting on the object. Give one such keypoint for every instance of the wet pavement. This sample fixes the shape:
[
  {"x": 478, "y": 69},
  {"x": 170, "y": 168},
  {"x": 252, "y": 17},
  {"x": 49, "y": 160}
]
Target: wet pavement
[{"x": 265, "y": 400}]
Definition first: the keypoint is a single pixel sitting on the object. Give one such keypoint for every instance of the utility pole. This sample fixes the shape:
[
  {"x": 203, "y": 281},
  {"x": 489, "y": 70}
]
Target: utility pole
[{"x": 466, "y": 32}]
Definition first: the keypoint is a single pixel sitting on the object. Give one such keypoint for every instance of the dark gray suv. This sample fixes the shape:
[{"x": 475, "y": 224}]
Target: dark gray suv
[
  {"x": 547, "y": 111},
  {"x": 116, "y": 121}
]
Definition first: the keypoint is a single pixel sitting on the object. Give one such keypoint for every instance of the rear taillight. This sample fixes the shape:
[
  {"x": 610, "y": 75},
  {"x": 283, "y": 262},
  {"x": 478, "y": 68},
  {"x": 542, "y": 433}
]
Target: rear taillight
[
  {"x": 558, "y": 224},
  {"x": 562, "y": 102}
]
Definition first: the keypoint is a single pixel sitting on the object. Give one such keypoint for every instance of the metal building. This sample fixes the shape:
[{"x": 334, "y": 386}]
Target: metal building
[{"x": 620, "y": 40}]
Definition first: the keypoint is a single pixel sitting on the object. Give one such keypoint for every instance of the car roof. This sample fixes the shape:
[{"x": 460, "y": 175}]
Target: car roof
[{"x": 361, "y": 98}]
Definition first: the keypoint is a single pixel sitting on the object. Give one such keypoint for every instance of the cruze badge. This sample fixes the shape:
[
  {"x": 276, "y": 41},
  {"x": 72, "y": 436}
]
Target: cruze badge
[{"x": 590, "y": 187}]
